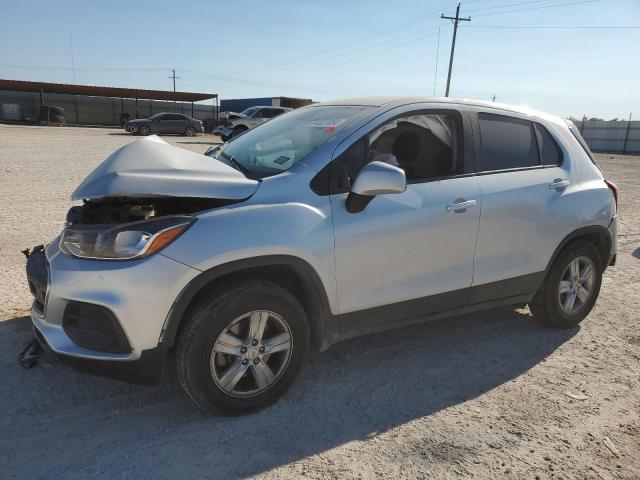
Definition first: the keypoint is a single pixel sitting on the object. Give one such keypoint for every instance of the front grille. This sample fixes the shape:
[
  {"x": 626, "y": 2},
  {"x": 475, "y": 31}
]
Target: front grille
[{"x": 38, "y": 278}]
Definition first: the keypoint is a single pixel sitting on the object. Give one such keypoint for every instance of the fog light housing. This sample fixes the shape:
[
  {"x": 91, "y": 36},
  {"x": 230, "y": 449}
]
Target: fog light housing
[{"x": 94, "y": 327}]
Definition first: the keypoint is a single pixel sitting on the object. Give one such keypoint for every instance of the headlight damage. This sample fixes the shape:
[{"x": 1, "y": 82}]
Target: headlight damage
[
  {"x": 126, "y": 241},
  {"x": 123, "y": 228}
]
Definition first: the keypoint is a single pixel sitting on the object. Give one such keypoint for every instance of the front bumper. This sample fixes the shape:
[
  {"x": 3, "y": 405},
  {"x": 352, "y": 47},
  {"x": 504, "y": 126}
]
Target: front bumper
[
  {"x": 146, "y": 370},
  {"x": 139, "y": 294}
]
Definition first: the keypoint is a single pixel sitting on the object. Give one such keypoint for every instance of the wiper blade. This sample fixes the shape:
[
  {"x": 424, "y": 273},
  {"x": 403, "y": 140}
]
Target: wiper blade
[{"x": 235, "y": 163}]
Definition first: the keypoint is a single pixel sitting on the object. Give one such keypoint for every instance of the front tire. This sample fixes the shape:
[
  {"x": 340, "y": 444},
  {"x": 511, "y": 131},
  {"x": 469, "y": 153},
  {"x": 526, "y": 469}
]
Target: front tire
[
  {"x": 144, "y": 130},
  {"x": 242, "y": 347},
  {"x": 190, "y": 132},
  {"x": 571, "y": 287}
]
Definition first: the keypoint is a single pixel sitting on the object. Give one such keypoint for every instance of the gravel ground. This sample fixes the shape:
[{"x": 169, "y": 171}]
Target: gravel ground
[{"x": 480, "y": 396}]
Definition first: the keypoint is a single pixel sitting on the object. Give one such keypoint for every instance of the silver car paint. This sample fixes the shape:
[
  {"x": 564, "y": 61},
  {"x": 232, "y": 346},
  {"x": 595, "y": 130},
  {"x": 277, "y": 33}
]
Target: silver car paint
[
  {"x": 401, "y": 246},
  {"x": 151, "y": 167}
]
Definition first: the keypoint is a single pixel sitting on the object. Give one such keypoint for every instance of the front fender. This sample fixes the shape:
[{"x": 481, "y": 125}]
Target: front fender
[{"x": 265, "y": 226}]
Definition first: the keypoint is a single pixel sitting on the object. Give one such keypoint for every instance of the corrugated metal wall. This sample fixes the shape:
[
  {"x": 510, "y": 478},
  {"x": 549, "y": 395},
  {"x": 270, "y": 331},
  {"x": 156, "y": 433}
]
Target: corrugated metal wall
[
  {"x": 84, "y": 110},
  {"x": 614, "y": 136},
  {"x": 240, "y": 104}
]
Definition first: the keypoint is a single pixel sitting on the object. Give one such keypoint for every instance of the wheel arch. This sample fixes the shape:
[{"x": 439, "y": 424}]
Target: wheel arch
[
  {"x": 596, "y": 234},
  {"x": 292, "y": 273}
]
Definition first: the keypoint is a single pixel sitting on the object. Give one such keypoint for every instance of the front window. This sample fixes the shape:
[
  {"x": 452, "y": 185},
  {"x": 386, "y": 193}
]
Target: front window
[
  {"x": 424, "y": 145},
  {"x": 277, "y": 145}
]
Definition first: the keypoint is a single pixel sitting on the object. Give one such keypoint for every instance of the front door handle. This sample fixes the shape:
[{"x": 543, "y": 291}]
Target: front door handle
[
  {"x": 461, "y": 205},
  {"x": 559, "y": 184}
]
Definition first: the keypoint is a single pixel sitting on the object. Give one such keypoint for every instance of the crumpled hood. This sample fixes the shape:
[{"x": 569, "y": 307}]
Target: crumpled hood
[{"x": 150, "y": 167}]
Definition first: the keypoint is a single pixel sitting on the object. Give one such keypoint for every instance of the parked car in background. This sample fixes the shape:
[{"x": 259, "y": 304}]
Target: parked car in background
[
  {"x": 336, "y": 220},
  {"x": 249, "y": 118},
  {"x": 162, "y": 123},
  {"x": 224, "y": 117}
]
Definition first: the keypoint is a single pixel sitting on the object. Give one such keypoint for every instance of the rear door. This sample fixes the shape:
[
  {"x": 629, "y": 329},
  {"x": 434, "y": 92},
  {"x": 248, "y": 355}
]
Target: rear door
[
  {"x": 526, "y": 212},
  {"x": 175, "y": 123}
]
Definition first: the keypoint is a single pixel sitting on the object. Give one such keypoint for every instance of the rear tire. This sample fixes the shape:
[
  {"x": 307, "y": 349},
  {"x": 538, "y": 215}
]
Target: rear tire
[
  {"x": 220, "y": 367},
  {"x": 571, "y": 287}
]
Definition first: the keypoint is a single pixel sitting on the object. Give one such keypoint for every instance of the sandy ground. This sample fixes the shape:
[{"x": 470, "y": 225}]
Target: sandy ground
[{"x": 480, "y": 396}]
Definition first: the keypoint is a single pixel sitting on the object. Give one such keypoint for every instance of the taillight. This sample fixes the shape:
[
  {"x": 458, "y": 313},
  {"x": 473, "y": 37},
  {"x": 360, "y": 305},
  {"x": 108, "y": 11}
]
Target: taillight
[{"x": 616, "y": 192}]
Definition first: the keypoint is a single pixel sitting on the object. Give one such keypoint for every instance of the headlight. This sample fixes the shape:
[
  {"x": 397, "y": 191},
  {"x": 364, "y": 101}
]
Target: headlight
[{"x": 123, "y": 242}]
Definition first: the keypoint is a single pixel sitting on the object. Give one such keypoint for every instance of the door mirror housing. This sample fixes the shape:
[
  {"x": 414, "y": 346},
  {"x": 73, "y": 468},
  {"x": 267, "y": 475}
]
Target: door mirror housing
[{"x": 375, "y": 178}]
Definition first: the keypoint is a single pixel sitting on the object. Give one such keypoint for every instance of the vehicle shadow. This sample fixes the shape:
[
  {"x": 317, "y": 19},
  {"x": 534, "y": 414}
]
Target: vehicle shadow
[
  {"x": 636, "y": 253},
  {"x": 353, "y": 391}
]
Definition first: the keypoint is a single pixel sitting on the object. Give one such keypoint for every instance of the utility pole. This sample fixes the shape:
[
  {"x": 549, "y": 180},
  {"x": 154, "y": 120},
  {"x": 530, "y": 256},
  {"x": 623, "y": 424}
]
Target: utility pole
[
  {"x": 493, "y": 98},
  {"x": 457, "y": 19},
  {"x": 173, "y": 76}
]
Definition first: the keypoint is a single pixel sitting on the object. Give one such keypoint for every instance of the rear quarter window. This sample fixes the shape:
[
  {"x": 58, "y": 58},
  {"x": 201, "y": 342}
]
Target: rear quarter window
[{"x": 550, "y": 153}]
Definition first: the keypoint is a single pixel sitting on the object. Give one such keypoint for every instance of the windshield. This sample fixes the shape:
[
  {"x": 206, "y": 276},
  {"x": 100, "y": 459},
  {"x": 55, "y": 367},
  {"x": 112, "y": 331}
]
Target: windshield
[
  {"x": 249, "y": 111},
  {"x": 280, "y": 143},
  {"x": 157, "y": 115}
]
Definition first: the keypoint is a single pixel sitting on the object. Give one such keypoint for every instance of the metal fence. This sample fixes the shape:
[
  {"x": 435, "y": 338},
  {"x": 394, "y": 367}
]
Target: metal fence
[
  {"x": 612, "y": 136},
  {"x": 107, "y": 111}
]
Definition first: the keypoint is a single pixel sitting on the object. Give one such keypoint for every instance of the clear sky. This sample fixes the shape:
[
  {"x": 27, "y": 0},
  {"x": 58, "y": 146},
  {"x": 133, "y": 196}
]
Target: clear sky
[{"x": 332, "y": 49}]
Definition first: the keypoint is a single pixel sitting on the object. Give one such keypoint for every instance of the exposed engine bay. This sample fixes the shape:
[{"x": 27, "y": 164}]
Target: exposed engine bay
[{"x": 119, "y": 210}]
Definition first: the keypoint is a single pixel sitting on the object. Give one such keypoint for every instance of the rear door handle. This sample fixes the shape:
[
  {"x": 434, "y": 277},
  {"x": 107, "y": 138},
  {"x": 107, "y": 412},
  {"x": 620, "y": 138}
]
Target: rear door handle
[
  {"x": 559, "y": 184},
  {"x": 460, "y": 206}
]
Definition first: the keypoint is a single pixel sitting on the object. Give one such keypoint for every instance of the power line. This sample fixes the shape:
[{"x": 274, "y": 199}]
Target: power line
[
  {"x": 586, "y": 27},
  {"x": 457, "y": 19},
  {"x": 507, "y": 5},
  {"x": 312, "y": 59},
  {"x": 376, "y": 34},
  {"x": 253, "y": 82},
  {"x": 414, "y": 35},
  {"x": 537, "y": 8},
  {"x": 375, "y": 52}
]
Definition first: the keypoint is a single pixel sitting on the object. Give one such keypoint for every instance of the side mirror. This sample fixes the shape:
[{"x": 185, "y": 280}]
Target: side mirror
[{"x": 375, "y": 178}]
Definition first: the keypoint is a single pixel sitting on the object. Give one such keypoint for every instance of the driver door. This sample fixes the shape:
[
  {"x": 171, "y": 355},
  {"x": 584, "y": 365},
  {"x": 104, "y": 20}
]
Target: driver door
[{"x": 410, "y": 253}]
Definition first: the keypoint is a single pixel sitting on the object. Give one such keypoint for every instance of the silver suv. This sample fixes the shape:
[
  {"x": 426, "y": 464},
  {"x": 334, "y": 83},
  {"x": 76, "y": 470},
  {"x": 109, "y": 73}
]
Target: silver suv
[
  {"x": 248, "y": 119},
  {"x": 331, "y": 221}
]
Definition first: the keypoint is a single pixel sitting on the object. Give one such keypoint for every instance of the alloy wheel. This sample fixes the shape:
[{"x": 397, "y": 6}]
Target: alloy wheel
[
  {"x": 576, "y": 285},
  {"x": 251, "y": 353}
]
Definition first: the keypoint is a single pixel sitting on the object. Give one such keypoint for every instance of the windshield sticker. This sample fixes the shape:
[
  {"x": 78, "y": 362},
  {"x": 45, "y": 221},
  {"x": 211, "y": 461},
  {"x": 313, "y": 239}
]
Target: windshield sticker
[
  {"x": 281, "y": 159},
  {"x": 329, "y": 124}
]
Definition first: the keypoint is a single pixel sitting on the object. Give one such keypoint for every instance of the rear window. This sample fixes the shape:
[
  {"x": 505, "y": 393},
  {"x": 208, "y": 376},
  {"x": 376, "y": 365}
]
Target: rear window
[{"x": 507, "y": 142}]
